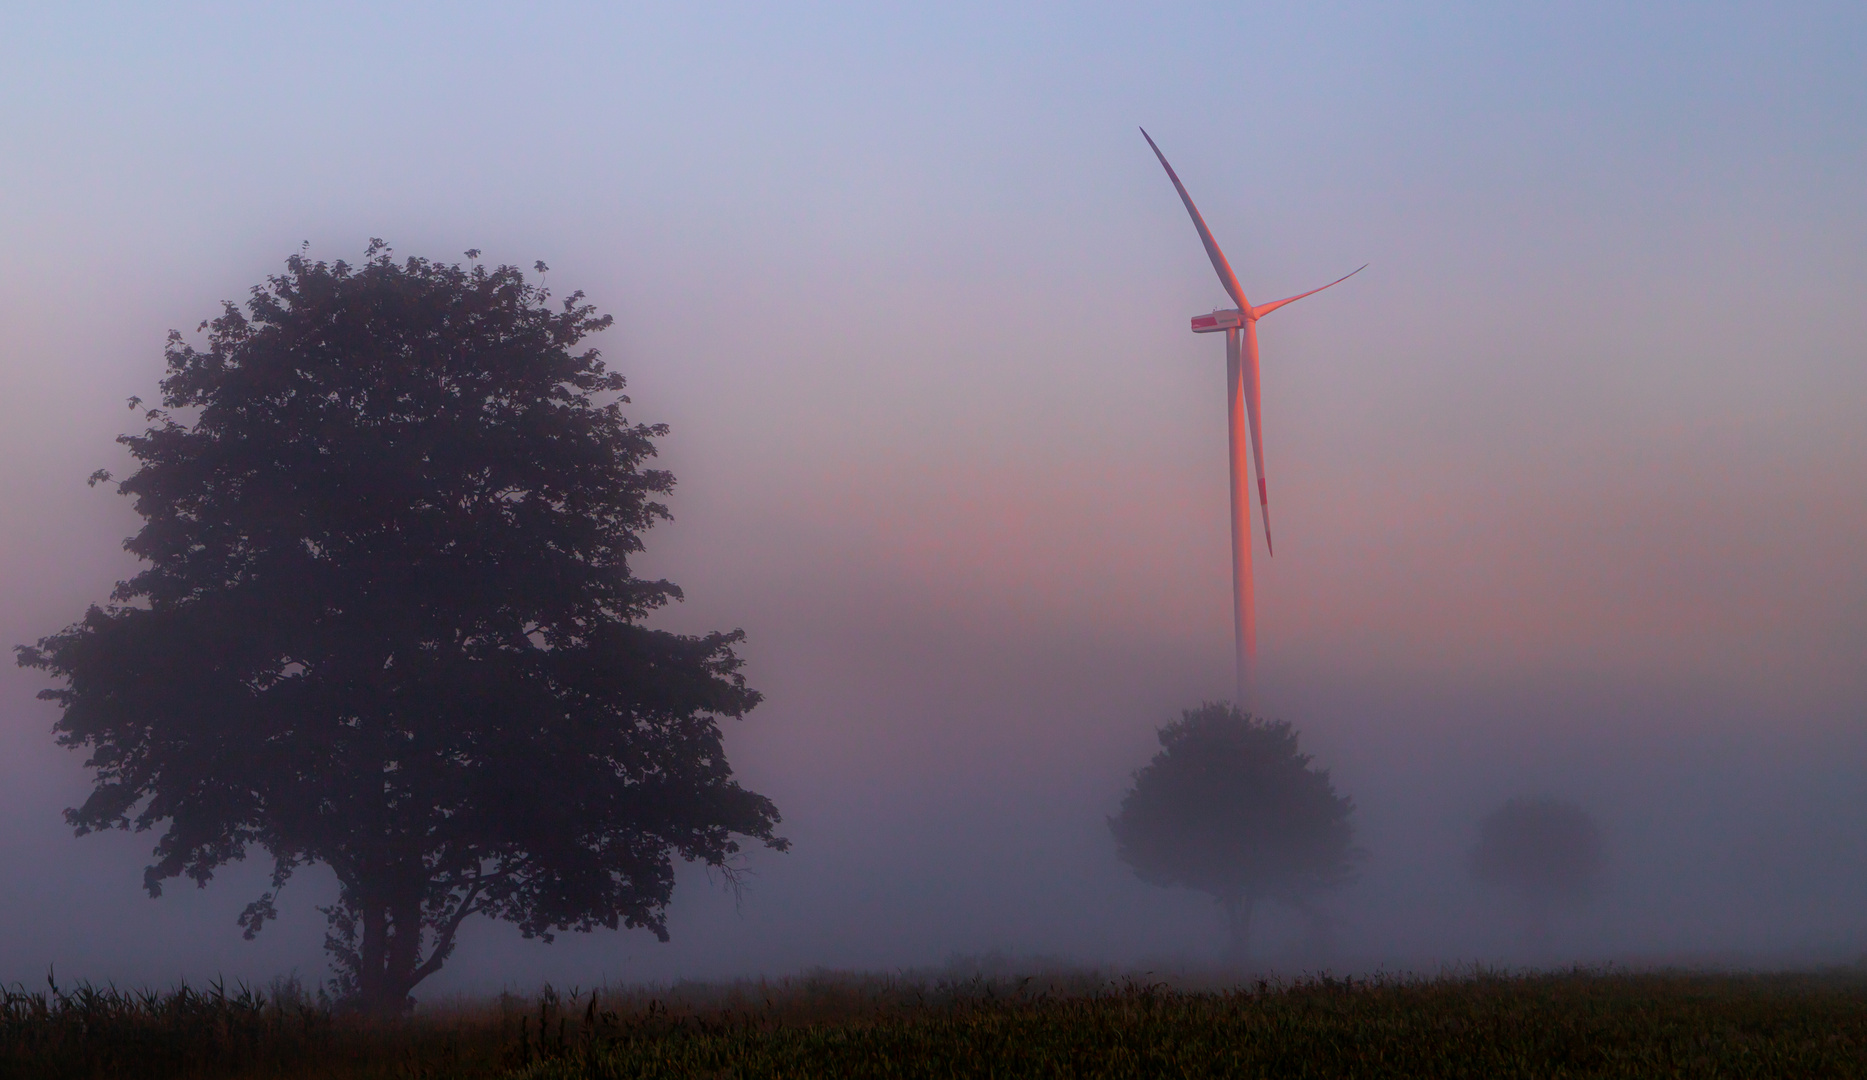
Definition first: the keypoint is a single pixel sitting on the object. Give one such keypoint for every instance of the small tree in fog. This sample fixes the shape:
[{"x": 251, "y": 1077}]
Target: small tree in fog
[
  {"x": 1546, "y": 852},
  {"x": 1231, "y": 808},
  {"x": 388, "y": 624}
]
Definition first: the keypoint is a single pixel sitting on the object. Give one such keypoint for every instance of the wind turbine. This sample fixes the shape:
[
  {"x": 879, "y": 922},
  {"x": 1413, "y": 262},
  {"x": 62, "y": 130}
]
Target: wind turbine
[{"x": 1241, "y": 404}]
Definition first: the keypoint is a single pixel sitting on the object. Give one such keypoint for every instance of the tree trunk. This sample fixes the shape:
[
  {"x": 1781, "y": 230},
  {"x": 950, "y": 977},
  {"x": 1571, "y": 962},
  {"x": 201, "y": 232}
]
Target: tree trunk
[
  {"x": 1539, "y": 928},
  {"x": 1238, "y": 920},
  {"x": 1318, "y": 932},
  {"x": 390, "y": 952}
]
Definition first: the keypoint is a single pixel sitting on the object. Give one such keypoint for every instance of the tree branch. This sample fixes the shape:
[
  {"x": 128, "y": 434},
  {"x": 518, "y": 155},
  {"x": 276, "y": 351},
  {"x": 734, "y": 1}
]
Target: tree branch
[{"x": 444, "y": 933}]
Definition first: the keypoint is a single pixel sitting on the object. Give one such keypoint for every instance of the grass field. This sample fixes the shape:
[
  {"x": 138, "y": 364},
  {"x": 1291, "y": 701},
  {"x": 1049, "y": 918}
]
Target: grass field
[{"x": 1056, "y": 1025}]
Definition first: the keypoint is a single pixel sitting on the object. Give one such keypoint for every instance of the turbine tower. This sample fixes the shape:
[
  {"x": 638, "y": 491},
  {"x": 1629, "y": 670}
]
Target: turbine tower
[{"x": 1240, "y": 325}]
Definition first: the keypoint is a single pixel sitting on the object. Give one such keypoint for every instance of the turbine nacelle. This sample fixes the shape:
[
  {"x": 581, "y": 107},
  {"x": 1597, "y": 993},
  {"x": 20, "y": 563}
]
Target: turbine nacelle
[
  {"x": 1233, "y": 318},
  {"x": 1225, "y": 319}
]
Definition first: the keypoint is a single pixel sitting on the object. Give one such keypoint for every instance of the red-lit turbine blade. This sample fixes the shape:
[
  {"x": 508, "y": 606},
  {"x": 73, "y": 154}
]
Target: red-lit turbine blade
[
  {"x": 1264, "y": 509},
  {"x": 1249, "y": 374},
  {"x": 1275, "y": 304},
  {"x": 1223, "y": 268}
]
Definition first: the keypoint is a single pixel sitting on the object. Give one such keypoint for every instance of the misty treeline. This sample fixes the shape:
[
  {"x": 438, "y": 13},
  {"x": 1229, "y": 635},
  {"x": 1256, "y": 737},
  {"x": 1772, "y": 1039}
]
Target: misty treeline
[
  {"x": 387, "y": 623},
  {"x": 1232, "y": 808}
]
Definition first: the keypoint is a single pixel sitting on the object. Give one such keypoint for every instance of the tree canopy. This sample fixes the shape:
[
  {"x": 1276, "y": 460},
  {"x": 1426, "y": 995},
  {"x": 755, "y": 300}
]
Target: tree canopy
[
  {"x": 1230, "y": 807},
  {"x": 1546, "y": 851},
  {"x": 388, "y": 623}
]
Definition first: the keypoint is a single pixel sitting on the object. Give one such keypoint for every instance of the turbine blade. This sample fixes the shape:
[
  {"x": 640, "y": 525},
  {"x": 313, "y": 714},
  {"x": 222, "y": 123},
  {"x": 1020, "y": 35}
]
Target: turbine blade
[
  {"x": 1275, "y": 304},
  {"x": 1223, "y": 268},
  {"x": 1249, "y": 375},
  {"x": 1264, "y": 510}
]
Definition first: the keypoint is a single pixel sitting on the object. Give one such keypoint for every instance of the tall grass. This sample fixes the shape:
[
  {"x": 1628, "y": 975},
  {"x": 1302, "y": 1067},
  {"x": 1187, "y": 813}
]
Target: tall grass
[
  {"x": 1056, "y": 1023},
  {"x": 92, "y": 1032},
  {"x": 1575, "y": 1025}
]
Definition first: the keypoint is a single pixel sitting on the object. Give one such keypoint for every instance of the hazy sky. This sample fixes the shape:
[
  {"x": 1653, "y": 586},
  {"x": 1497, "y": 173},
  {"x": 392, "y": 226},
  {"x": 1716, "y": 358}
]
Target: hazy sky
[{"x": 1569, "y": 483}]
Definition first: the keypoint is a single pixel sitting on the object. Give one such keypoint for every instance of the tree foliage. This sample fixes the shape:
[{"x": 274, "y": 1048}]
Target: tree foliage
[
  {"x": 388, "y": 623},
  {"x": 1230, "y": 807},
  {"x": 1546, "y": 851}
]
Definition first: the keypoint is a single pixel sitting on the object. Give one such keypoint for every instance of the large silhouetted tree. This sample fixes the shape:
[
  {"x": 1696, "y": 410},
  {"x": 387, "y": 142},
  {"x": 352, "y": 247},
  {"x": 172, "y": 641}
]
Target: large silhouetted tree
[
  {"x": 388, "y": 624},
  {"x": 1546, "y": 852},
  {"x": 1231, "y": 808}
]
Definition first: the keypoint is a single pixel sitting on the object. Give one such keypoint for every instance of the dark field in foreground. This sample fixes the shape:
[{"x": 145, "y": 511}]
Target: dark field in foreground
[{"x": 1483, "y": 1025}]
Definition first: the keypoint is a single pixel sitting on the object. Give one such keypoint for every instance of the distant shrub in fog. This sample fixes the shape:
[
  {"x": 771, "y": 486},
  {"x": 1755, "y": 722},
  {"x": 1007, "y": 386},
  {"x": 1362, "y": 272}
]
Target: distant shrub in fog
[{"x": 1546, "y": 852}]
